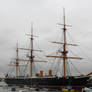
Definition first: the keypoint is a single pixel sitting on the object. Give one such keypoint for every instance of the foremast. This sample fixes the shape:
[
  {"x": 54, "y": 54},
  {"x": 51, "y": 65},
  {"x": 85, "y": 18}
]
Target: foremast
[
  {"x": 64, "y": 45},
  {"x": 64, "y": 52}
]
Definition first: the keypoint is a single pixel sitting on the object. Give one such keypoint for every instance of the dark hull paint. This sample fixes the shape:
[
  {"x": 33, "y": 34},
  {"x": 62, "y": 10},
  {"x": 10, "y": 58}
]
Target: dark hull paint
[{"x": 48, "y": 82}]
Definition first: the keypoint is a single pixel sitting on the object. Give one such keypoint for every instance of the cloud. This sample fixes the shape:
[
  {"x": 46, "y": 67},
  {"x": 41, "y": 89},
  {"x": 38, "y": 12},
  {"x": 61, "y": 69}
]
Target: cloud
[{"x": 16, "y": 17}]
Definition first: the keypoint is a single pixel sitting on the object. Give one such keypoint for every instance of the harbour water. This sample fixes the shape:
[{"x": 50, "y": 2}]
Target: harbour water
[
  {"x": 9, "y": 89},
  {"x": 5, "y": 88}
]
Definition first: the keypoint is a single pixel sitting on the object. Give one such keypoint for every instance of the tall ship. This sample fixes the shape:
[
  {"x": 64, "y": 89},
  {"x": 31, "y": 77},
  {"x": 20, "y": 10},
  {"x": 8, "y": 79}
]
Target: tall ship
[{"x": 50, "y": 81}]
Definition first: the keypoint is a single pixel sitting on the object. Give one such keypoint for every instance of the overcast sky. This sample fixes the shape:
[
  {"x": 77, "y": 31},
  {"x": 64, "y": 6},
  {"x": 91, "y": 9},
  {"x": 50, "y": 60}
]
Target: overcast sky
[{"x": 17, "y": 15}]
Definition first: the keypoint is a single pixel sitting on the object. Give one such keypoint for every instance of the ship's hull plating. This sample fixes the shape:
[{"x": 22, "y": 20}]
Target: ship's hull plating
[{"x": 48, "y": 82}]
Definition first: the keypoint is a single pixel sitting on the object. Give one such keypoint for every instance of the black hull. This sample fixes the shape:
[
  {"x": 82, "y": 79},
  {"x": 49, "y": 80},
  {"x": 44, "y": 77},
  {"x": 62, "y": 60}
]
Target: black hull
[{"x": 50, "y": 82}]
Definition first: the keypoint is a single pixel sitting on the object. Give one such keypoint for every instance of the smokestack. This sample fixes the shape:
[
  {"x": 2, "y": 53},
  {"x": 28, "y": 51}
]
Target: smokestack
[
  {"x": 50, "y": 72},
  {"x": 41, "y": 73}
]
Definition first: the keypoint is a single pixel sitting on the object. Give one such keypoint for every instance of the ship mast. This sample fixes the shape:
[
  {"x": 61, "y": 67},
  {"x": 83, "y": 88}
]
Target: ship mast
[
  {"x": 31, "y": 51},
  {"x": 31, "y": 57},
  {"x": 17, "y": 63},
  {"x": 64, "y": 45},
  {"x": 64, "y": 52}
]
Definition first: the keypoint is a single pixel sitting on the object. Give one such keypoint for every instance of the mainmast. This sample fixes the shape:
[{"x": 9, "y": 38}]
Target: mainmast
[
  {"x": 31, "y": 57},
  {"x": 31, "y": 51}
]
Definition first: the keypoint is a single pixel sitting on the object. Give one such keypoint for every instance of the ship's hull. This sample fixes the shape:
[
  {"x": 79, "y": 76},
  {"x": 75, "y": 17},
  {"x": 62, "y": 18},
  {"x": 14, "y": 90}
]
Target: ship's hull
[{"x": 48, "y": 82}]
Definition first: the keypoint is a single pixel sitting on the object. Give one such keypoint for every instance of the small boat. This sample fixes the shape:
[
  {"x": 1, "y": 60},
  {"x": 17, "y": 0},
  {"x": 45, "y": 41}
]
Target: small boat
[
  {"x": 13, "y": 89},
  {"x": 22, "y": 91}
]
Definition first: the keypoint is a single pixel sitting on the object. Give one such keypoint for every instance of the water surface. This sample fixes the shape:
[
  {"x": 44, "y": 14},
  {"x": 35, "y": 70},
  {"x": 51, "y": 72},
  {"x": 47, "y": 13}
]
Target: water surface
[{"x": 5, "y": 88}]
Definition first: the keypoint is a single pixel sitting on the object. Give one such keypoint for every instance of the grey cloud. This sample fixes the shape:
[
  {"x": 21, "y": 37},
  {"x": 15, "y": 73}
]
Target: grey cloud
[{"x": 16, "y": 16}]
